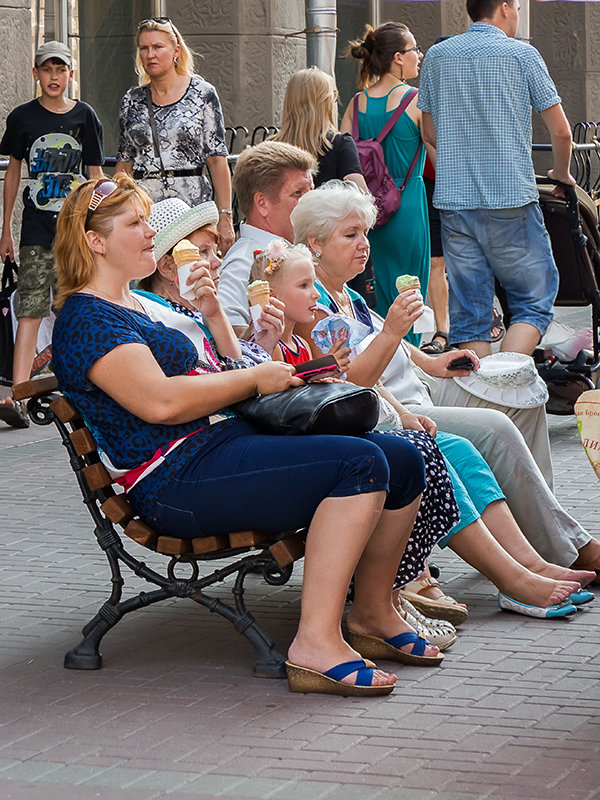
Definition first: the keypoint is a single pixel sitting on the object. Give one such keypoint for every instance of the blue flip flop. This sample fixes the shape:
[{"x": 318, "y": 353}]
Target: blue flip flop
[
  {"x": 581, "y": 597},
  {"x": 563, "y": 609}
]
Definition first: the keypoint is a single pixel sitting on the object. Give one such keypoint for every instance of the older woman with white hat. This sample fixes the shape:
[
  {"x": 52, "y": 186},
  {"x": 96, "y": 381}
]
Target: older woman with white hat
[
  {"x": 160, "y": 293},
  {"x": 333, "y": 221}
]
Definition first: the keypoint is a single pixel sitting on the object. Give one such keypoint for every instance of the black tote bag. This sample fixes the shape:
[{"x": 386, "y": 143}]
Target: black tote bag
[{"x": 9, "y": 284}]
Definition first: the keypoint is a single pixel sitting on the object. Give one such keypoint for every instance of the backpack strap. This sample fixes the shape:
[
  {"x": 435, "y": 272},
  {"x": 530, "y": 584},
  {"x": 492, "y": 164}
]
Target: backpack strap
[
  {"x": 412, "y": 166},
  {"x": 355, "y": 117},
  {"x": 406, "y": 100}
]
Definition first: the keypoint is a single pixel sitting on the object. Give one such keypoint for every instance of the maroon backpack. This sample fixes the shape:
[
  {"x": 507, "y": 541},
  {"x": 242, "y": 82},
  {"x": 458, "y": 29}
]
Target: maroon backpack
[{"x": 387, "y": 195}]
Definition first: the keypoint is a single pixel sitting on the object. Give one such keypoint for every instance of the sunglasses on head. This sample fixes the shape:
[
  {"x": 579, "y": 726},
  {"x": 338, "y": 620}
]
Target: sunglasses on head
[
  {"x": 159, "y": 20},
  {"x": 102, "y": 189}
]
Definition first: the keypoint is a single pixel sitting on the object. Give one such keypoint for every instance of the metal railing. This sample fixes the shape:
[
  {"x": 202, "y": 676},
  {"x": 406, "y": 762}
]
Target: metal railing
[
  {"x": 237, "y": 138},
  {"x": 585, "y": 165}
]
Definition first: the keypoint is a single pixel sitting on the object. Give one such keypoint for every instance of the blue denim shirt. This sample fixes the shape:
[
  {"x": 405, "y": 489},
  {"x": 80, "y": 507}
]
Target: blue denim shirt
[{"x": 480, "y": 88}]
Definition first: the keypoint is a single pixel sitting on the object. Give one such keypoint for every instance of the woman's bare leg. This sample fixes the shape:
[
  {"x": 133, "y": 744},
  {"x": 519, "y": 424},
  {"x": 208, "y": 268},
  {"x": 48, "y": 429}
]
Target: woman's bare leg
[
  {"x": 337, "y": 536},
  {"x": 373, "y": 610},
  {"x": 502, "y": 525},
  {"x": 437, "y": 294},
  {"x": 589, "y": 556},
  {"x": 371, "y": 550},
  {"x": 476, "y": 545}
]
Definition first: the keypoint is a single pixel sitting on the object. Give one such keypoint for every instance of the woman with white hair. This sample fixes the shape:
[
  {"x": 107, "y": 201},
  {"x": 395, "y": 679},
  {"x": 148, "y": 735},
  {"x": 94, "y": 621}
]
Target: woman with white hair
[
  {"x": 333, "y": 221},
  {"x": 171, "y": 126}
]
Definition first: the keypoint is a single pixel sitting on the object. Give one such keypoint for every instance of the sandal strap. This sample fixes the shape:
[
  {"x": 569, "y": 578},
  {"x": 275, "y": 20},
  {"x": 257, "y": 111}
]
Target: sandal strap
[
  {"x": 418, "y": 642},
  {"x": 364, "y": 674},
  {"x": 422, "y": 583}
]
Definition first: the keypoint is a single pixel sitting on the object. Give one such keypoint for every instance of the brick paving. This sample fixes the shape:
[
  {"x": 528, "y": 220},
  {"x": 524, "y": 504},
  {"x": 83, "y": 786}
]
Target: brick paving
[{"x": 513, "y": 713}]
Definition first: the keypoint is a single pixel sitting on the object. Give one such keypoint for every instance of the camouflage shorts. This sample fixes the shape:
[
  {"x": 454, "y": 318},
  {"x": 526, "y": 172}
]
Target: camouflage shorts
[{"x": 35, "y": 282}]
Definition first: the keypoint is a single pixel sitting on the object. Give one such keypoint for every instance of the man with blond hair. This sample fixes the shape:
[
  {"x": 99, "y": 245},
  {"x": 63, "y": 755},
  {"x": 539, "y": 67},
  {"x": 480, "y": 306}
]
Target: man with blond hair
[{"x": 269, "y": 179}]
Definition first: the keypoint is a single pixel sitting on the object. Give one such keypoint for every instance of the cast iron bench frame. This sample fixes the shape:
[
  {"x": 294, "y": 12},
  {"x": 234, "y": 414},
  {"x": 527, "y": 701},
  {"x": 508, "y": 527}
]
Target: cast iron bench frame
[{"x": 272, "y": 556}]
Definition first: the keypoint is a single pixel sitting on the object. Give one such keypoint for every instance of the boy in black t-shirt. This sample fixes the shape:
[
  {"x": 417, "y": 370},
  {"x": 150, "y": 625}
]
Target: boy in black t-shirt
[{"x": 56, "y": 136}]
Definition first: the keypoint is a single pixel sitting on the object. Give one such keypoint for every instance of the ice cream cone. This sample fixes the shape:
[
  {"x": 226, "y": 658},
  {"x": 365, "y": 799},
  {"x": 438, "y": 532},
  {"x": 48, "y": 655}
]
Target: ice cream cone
[
  {"x": 405, "y": 282},
  {"x": 185, "y": 253},
  {"x": 259, "y": 293}
]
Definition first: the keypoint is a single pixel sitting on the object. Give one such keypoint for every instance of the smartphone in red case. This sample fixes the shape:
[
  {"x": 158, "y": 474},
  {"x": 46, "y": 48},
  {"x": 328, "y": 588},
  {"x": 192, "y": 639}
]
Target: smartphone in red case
[{"x": 324, "y": 367}]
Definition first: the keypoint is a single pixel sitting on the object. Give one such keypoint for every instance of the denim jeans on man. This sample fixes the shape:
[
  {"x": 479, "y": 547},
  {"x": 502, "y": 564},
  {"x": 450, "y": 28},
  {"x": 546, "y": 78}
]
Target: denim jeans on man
[{"x": 511, "y": 244}]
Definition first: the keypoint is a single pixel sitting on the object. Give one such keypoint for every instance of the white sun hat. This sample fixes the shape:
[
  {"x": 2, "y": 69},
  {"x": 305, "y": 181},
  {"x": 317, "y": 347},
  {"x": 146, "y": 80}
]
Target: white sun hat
[
  {"x": 508, "y": 379},
  {"x": 173, "y": 220}
]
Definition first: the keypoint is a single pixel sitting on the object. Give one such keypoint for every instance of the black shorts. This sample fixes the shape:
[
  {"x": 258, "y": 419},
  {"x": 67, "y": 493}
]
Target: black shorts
[{"x": 435, "y": 228}]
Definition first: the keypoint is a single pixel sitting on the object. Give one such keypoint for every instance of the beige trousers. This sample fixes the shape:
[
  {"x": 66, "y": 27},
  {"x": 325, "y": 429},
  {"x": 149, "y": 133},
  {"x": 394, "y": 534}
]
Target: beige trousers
[{"x": 512, "y": 450}]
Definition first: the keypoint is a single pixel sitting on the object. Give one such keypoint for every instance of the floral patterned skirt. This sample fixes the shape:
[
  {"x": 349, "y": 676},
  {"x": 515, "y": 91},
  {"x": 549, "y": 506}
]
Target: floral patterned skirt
[{"x": 438, "y": 512}]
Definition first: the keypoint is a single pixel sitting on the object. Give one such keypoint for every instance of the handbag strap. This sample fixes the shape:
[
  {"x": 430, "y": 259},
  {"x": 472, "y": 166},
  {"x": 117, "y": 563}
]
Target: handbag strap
[
  {"x": 148, "y": 93},
  {"x": 406, "y": 101}
]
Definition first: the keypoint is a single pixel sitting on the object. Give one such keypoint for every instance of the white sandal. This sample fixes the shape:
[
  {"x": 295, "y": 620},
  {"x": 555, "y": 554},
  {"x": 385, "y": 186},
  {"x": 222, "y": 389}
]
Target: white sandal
[
  {"x": 437, "y": 631},
  {"x": 444, "y": 607}
]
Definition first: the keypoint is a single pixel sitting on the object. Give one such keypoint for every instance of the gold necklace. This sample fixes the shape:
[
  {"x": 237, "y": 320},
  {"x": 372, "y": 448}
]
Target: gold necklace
[{"x": 346, "y": 306}]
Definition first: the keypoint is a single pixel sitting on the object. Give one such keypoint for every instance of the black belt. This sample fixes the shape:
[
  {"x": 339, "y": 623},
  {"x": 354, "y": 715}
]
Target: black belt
[{"x": 169, "y": 173}]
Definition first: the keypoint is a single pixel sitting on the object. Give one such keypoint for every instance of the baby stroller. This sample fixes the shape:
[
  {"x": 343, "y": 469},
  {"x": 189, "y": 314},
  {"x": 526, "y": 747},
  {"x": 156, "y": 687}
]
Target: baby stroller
[{"x": 572, "y": 223}]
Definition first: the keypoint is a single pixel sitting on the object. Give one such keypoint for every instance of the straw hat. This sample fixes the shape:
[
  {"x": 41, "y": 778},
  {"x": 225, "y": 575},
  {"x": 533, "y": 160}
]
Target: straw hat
[
  {"x": 508, "y": 379},
  {"x": 173, "y": 220}
]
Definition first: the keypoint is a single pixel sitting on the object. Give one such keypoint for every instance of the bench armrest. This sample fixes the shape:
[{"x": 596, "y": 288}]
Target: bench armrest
[{"x": 35, "y": 388}]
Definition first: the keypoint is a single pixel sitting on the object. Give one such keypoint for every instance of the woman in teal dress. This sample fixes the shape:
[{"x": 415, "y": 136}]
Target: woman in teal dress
[{"x": 389, "y": 55}]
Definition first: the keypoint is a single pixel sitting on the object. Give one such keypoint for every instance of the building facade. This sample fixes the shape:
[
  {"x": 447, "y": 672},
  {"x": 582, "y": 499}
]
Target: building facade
[{"x": 249, "y": 48}]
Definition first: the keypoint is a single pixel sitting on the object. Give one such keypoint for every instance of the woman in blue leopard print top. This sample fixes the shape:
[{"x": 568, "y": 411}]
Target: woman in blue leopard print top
[{"x": 163, "y": 423}]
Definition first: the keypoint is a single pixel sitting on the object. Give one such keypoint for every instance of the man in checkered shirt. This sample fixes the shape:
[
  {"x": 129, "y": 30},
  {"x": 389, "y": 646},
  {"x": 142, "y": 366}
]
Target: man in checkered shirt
[{"x": 477, "y": 91}]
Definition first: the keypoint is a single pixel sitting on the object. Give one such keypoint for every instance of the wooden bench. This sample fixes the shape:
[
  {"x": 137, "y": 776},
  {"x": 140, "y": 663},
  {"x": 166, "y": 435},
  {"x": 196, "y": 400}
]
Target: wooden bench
[{"x": 252, "y": 551}]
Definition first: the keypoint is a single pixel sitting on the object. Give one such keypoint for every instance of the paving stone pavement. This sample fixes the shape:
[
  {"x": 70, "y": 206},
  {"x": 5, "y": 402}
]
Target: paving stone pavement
[{"x": 512, "y": 714}]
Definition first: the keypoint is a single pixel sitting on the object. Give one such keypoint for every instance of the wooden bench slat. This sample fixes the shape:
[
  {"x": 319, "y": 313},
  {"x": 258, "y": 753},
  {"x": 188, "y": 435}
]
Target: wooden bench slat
[
  {"x": 169, "y": 546},
  {"x": 141, "y": 533},
  {"x": 97, "y": 477},
  {"x": 35, "y": 387},
  {"x": 83, "y": 441},
  {"x": 288, "y": 550},
  {"x": 118, "y": 509},
  {"x": 64, "y": 410},
  {"x": 248, "y": 538},
  {"x": 209, "y": 544}
]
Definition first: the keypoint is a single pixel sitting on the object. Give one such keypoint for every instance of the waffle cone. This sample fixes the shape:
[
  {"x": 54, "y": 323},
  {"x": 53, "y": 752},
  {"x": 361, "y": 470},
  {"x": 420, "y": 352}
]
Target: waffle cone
[
  {"x": 259, "y": 295},
  {"x": 185, "y": 253},
  {"x": 405, "y": 282}
]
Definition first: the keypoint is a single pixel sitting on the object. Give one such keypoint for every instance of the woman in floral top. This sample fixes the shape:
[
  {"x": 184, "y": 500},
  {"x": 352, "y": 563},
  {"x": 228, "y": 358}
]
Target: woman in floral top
[{"x": 189, "y": 126}]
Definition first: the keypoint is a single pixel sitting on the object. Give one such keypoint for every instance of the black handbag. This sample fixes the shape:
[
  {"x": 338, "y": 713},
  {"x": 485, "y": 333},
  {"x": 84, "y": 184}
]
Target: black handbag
[
  {"x": 334, "y": 408},
  {"x": 9, "y": 284}
]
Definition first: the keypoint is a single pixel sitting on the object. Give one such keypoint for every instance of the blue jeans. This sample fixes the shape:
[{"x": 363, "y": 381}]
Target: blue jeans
[
  {"x": 275, "y": 483},
  {"x": 511, "y": 244}
]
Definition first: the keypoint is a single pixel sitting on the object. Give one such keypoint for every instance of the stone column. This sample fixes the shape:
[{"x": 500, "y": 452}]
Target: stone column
[
  {"x": 568, "y": 37},
  {"x": 16, "y": 60},
  {"x": 245, "y": 52},
  {"x": 428, "y": 20}
]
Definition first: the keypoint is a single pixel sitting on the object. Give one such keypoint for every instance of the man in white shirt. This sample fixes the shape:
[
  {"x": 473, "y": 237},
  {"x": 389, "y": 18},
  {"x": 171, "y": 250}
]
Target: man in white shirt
[{"x": 269, "y": 179}]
